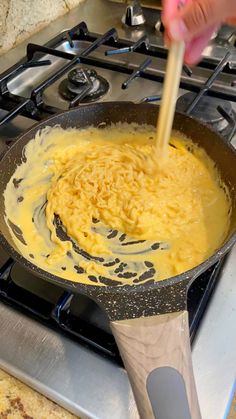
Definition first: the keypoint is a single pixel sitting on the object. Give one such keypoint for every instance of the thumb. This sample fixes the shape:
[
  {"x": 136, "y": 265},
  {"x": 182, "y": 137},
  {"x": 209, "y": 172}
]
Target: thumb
[{"x": 194, "y": 18}]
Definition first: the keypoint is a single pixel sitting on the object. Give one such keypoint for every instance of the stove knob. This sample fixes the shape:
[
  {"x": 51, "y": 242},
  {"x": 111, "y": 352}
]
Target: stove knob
[
  {"x": 159, "y": 26},
  {"x": 134, "y": 15}
]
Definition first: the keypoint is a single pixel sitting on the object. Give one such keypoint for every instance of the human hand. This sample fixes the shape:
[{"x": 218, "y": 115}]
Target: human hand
[{"x": 195, "y": 23}]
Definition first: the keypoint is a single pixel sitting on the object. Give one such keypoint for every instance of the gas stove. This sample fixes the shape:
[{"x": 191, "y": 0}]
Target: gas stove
[{"x": 61, "y": 344}]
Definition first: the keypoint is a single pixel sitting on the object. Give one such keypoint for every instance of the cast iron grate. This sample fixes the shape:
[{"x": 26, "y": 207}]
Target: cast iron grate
[{"x": 34, "y": 107}]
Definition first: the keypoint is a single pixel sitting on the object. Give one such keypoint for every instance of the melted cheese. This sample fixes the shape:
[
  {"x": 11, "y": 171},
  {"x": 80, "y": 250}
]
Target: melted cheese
[{"x": 92, "y": 206}]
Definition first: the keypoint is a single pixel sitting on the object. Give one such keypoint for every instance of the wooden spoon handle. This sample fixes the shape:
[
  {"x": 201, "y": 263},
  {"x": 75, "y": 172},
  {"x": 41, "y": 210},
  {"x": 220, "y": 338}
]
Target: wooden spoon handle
[
  {"x": 169, "y": 97},
  {"x": 157, "y": 356}
]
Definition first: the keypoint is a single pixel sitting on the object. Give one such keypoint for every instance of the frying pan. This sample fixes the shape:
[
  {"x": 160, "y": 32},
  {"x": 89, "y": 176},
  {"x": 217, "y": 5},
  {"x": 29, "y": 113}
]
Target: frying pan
[{"x": 149, "y": 322}]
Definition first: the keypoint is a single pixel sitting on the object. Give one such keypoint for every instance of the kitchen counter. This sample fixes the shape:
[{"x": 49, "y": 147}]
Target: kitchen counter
[
  {"x": 19, "y": 19},
  {"x": 19, "y": 401},
  {"x": 232, "y": 413}
]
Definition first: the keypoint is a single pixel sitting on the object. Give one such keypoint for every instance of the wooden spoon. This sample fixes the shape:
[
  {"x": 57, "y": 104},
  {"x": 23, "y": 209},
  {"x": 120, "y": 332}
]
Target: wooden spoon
[{"x": 169, "y": 97}]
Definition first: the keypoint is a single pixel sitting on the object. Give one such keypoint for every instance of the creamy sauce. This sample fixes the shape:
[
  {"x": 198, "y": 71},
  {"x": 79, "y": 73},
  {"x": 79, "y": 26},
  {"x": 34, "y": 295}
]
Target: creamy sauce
[{"x": 91, "y": 206}]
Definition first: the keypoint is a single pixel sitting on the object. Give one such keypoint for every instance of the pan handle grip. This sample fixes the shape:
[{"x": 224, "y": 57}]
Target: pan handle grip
[{"x": 157, "y": 357}]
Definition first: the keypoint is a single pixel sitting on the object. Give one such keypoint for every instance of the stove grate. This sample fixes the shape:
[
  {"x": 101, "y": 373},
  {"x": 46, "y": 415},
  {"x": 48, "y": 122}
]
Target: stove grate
[
  {"x": 33, "y": 107},
  {"x": 208, "y": 84}
]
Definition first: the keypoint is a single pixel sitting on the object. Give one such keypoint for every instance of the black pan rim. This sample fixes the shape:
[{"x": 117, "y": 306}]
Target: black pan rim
[
  {"x": 79, "y": 287},
  {"x": 42, "y": 124}
]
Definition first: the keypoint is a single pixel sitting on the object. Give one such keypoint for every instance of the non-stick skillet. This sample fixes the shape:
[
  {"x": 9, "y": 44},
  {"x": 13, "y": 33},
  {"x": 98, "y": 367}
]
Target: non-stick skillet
[{"x": 149, "y": 322}]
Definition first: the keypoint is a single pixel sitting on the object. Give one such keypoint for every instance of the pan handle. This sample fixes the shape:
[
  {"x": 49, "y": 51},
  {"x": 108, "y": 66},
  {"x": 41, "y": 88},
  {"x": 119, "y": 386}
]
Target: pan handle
[{"x": 157, "y": 356}]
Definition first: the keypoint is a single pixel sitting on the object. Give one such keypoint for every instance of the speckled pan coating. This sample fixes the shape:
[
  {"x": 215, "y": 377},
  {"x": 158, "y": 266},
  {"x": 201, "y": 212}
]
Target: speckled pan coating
[{"x": 123, "y": 302}]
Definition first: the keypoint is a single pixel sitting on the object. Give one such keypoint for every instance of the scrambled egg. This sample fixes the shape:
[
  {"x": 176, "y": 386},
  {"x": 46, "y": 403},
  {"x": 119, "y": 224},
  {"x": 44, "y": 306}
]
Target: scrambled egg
[{"x": 93, "y": 206}]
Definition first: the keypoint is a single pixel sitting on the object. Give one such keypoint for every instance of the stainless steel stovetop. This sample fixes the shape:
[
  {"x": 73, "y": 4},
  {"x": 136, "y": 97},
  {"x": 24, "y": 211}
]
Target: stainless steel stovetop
[{"x": 81, "y": 380}]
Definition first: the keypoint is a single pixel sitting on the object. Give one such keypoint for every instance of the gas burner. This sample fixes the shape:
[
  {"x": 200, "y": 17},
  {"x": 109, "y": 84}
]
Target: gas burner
[
  {"x": 84, "y": 84},
  {"x": 206, "y": 110}
]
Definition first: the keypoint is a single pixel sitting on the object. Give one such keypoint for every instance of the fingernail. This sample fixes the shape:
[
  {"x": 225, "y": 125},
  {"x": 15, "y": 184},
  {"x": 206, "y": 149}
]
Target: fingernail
[{"x": 178, "y": 30}]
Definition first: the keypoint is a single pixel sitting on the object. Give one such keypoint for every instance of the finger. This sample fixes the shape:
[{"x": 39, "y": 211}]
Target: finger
[
  {"x": 195, "y": 48},
  {"x": 170, "y": 9},
  {"x": 199, "y": 15},
  {"x": 167, "y": 40},
  {"x": 231, "y": 21},
  {"x": 195, "y": 18}
]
